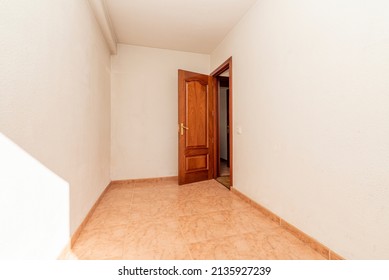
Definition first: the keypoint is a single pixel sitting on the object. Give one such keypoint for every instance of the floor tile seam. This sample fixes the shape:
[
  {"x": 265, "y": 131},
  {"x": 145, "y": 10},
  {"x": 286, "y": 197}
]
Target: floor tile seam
[
  {"x": 250, "y": 208},
  {"x": 156, "y": 199},
  {"x": 266, "y": 223},
  {"x": 147, "y": 191},
  {"x": 216, "y": 211},
  {"x": 190, "y": 195},
  {"x": 263, "y": 232},
  {"x": 279, "y": 245},
  {"x": 234, "y": 208},
  {"x": 215, "y": 239},
  {"x": 112, "y": 208},
  {"x": 104, "y": 223},
  {"x": 152, "y": 201},
  {"x": 154, "y": 221},
  {"x": 132, "y": 198},
  {"x": 106, "y": 204},
  {"x": 125, "y": 239},
  {"x": 145, "y": 219}
]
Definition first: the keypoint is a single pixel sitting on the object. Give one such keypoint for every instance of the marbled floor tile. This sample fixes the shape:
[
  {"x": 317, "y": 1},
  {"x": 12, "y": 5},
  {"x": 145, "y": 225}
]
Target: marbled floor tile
[
  {"x": 198, "y": 228},
  {"x": 250, "y": 220},
  {"x": 154, "y": 184},
  {"x": 152, "y": 210},
  {"x": 162, "y": 193},
  {"x": 120, "y": 188},
  {"x": 106, "y": 234},
  {"x": 148, "y": 235},
  {"x": 298, "y": 249},
  {"x": 281, "y": 245},
  {"x": 182, "y": 208},
  {"x": 200, "y": 205},
  {"x": 229, "y": 202},
  {"x": 227, "y": 248},
  {"x": 107, "y": 251},
  {"x": 151, "y": 188},
  {"x": 210, "y": 185},
  {"x": 186, "y": 195},
  {"x": 172, "y": 252},
  {"x": 107, "y": 217},
  {"x": 105, "y": 243},
  {"x": 206, "y": 189},
  {"x": 112, "y": 198},
  {"x": 214, "y": 203},
  {"x": 258, "y": 245},
  {"x": 161, "y": 220},
  {"x": 120, "y": 201}
]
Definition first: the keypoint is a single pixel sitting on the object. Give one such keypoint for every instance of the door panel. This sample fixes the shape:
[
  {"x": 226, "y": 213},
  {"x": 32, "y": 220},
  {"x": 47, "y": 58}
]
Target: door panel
[
  {"x": 196, "y": 163},
  {"x": 197, "y": 114},
  {"x": 196, "y": 127}
]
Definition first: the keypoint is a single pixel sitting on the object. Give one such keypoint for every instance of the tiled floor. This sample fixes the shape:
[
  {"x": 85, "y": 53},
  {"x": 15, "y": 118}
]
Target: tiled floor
[
  {"x": 224, "y": 178},
  {"x": 196, "y": 221},
  {"x": 224, "y": 169}
]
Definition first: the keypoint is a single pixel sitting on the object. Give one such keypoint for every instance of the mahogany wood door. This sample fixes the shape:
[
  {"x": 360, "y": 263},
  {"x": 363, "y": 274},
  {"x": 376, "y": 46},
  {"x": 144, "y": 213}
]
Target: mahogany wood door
[{"x": 195, "y": 127}]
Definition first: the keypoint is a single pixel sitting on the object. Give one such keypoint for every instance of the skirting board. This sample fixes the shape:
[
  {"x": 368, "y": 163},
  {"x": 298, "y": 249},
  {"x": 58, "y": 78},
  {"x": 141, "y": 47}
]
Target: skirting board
[
  {"x": 314, "y": 244},
  {"x": 112, "y": 184},
  {"x": 76, "y": 234},
  {"x": 88, "y": 216},
  {"x": 145, "y": 180},
  {"x": 67, "y": 250}
]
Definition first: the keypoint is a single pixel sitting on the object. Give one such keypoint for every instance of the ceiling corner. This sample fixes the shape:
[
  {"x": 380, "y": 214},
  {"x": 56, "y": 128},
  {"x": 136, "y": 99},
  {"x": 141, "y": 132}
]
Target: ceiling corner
[{"x": 101, "y": 13}]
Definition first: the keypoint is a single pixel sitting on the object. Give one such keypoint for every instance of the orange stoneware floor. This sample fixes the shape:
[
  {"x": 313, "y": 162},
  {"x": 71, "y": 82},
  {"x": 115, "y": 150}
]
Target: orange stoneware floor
[{"x": 200, "y": 221}]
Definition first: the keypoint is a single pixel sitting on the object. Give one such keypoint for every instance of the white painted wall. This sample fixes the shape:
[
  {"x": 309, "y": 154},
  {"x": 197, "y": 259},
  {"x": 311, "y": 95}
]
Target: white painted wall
[
  {"x": 223, "y": 114},
  {"x": 144, "y": 110},
  {"x": 55, "y": 118},
  {"x": 311, "y": 99}
]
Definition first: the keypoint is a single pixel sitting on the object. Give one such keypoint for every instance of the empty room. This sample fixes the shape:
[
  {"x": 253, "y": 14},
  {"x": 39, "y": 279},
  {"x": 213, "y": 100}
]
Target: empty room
[{"x": 194, "y": 130}]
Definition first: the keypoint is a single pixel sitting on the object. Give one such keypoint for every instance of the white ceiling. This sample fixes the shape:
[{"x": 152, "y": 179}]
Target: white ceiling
[{"x": 185, "y": 25}]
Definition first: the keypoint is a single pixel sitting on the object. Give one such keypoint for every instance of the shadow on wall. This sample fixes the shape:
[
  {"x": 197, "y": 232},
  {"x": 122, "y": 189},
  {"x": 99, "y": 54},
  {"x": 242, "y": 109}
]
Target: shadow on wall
[{"x": 34, "y": 206}]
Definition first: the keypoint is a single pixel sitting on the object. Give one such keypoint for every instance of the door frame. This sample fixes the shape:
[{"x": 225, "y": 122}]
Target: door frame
[{"x": 226, "y": 65}]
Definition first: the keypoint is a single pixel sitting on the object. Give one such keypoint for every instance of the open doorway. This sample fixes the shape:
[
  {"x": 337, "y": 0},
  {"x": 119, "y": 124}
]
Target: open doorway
[
  {"x": 224, "y": 130},
  {"x": 223, "y": 92},
  {"x": 204, "y": 151}
]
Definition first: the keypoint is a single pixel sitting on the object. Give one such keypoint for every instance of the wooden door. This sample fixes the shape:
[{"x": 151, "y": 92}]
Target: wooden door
[{"x": 195, "y": 127}]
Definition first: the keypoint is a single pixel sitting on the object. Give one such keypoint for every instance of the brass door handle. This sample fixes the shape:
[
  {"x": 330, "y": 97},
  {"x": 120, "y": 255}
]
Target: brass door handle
[{"x": 182, "y": 127}]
